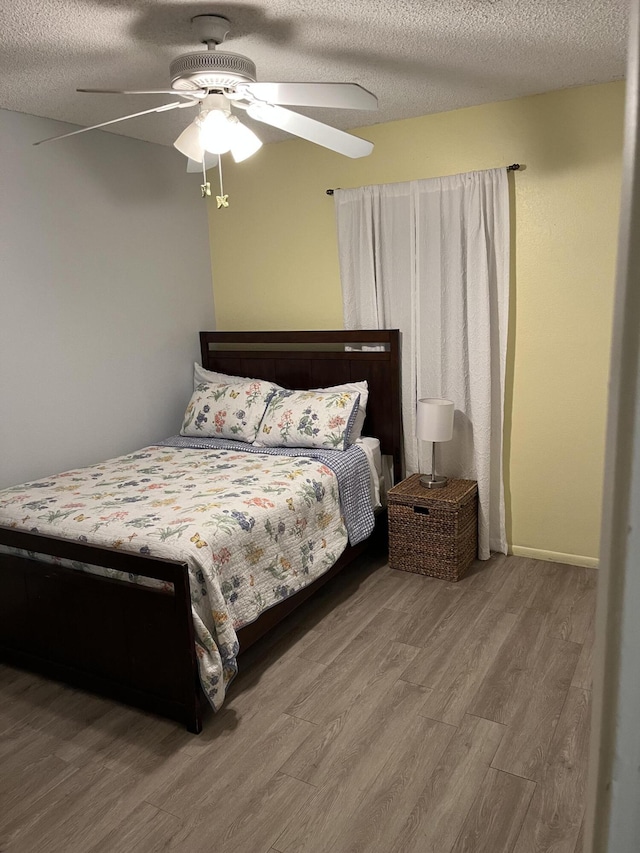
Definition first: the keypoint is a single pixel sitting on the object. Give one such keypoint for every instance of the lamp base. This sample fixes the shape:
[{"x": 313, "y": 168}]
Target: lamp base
[{"x": 429, "y": 481}]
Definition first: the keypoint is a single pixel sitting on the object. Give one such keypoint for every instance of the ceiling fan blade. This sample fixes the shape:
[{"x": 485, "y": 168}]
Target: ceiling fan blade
[
  {"x": 312, "y": 130},
  {"x": 210, "y": 162},
  {"x": 347, "y": 96},
  {"x": 161, "y": 109},
  {"x": 197, "y": 94}
]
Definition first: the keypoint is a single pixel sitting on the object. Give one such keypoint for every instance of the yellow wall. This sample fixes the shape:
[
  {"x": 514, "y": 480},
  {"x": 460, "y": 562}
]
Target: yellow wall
[{"x": 275, "y": 266}]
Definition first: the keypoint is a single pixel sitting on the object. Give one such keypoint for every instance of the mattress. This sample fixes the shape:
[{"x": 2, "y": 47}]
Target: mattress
[{"x": 377, "y": 484}]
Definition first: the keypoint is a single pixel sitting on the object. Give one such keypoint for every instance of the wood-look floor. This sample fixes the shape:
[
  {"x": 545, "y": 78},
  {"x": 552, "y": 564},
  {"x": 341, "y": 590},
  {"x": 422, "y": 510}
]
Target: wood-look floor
[{"x": 393, "y": 713}]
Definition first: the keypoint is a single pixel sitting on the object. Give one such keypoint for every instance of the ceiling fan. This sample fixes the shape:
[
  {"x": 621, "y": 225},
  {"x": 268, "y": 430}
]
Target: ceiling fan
[{"x": 217, "y": 82}]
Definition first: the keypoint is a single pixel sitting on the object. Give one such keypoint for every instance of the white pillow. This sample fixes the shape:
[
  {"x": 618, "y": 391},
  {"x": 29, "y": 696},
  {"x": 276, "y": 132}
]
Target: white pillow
[
  {"x": 211, "y": 377},
  {"x": 361, "y": 388}
]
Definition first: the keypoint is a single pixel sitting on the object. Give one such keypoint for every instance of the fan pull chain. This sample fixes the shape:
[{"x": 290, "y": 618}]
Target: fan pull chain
[
  {"x": 205, "y": 186},
  {"x": 222, "y": 200}
]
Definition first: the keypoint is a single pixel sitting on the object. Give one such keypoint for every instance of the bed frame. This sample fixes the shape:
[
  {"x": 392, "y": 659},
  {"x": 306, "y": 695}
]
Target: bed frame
[{"x": 135, "y": 643}]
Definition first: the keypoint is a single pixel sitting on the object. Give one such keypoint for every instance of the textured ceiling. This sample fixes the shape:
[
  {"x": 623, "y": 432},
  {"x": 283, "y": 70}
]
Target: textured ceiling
[{"x": 417, "y": 56}]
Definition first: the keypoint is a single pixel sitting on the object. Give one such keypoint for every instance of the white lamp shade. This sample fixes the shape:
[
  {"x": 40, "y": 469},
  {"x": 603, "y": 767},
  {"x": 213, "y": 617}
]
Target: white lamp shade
[
  {"x": 245, "y": 142},
  {"x": 434, "y": 420},
  {"x": 188, "y": 143}
]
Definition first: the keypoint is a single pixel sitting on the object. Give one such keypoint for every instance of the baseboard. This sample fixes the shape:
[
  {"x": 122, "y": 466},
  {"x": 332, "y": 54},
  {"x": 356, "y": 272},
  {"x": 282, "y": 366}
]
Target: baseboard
[{"x": 554, "y": 556}]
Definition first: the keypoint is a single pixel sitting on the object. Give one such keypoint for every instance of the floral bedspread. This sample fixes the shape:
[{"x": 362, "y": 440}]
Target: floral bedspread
[{"x": 253, "y": 528}]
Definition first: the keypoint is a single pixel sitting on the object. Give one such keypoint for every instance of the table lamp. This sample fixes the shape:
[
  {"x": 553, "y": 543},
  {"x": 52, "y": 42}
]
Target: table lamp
[{"x": 434, "y": 423}]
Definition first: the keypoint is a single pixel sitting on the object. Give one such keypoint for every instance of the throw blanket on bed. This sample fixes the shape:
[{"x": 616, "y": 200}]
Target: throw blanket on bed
[{"x": 254, "y": 528}]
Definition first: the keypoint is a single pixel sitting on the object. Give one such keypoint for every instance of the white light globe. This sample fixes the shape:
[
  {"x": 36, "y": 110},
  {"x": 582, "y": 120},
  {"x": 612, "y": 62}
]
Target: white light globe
[{"x": 216, "y": 132}]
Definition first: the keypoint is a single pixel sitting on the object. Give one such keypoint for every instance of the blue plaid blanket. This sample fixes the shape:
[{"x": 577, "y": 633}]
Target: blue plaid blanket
[{"x": 350, "y": 467}]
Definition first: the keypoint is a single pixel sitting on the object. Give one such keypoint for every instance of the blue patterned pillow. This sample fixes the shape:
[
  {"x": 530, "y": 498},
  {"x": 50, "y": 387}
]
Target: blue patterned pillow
[
  {"x": 309, "y": 419},
  {"x": 227, "y": 410}
]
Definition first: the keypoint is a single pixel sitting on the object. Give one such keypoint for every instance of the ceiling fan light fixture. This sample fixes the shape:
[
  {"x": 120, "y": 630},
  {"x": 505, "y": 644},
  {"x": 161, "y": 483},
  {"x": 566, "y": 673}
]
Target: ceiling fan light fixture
[{"x": 212, "y": 136}]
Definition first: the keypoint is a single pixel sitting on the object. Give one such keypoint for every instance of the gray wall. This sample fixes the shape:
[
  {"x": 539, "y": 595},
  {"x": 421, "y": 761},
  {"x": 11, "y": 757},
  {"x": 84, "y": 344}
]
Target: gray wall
[{"x": 105, "y": 282}]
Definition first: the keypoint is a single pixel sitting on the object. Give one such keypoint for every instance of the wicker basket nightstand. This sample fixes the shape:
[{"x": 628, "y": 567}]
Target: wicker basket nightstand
[{"x": 433, "y": 531}]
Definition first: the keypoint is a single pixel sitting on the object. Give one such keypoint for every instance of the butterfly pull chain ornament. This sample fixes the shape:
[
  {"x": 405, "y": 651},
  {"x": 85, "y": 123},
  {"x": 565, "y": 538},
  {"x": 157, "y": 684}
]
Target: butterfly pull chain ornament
[{"x": 222, "y": 200}]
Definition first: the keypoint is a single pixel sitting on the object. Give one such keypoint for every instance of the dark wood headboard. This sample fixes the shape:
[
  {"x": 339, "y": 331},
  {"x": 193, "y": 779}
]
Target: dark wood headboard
[{"x": 303, "y": 360}]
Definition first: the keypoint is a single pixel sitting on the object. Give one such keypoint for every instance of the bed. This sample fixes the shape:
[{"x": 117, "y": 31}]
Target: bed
[{"x": 136, "y": 641}]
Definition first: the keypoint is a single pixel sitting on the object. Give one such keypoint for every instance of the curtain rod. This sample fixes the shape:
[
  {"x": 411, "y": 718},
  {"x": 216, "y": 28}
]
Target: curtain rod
[{"x": 512, "y": 168}]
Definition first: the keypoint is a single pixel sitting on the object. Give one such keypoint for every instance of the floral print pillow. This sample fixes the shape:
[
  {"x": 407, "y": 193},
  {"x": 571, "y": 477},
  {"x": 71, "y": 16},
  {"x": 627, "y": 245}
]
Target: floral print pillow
[
  {"x": 309, "y": 419},
  {"x": 227, "y": 410}
]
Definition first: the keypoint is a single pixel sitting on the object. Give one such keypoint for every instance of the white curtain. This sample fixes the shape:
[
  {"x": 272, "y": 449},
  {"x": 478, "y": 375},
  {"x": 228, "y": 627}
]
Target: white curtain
[{"x": 431, "y": 258}]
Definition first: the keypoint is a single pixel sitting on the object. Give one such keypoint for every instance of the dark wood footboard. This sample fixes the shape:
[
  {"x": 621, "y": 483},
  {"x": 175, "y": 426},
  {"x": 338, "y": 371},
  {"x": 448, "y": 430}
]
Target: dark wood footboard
[{"x": 120, "y": 639}]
